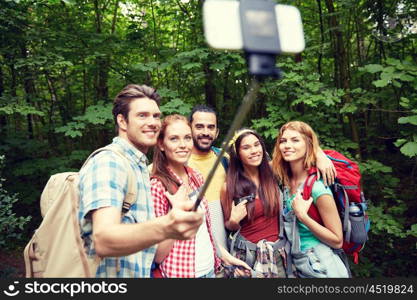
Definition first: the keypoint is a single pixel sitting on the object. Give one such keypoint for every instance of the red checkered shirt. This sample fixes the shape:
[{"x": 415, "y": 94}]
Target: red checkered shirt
[{"x": 180, "y": 262}]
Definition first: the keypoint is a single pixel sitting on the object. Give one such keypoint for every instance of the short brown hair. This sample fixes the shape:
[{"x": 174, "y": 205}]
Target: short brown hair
[{"x": 121, "y": 104}]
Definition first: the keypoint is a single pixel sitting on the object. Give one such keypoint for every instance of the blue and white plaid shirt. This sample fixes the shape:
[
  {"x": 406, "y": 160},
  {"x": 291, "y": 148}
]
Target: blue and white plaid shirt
[{"x": 103, "y": 183}]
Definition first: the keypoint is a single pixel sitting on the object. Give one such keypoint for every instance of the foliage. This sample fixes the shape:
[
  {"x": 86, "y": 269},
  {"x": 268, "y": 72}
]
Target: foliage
[
  {"x": 176, "y": 106},
  {"x": 98, "y": 114},
  {"x": 400, "y": 74},
  {"x": 10, "y": 106},
  {"x": 62, "y": 62},
  {"x": 11, "y": 225}
]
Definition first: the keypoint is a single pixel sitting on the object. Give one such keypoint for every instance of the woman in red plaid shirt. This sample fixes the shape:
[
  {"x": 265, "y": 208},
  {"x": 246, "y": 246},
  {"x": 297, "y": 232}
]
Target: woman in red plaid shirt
[{"x": 171, "y": 182}]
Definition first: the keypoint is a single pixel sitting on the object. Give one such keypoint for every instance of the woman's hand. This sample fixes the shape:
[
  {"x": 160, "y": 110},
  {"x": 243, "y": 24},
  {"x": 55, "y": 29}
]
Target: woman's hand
[
  {"x": 179, "y": 197},
  {"x": 301, "y": 206},
  {"x": 238, "y": 211},
  {"x": 242, "y": 269},
  {"x": 325, "y": 168}
]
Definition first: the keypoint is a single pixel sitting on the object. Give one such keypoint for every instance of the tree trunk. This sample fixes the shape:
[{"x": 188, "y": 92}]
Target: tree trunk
[
  {"x": 29, "y": 87},
  {"x": 13, "y": 77},
  {"x": 85, "y": 87},
  {"x": 360, "y": 42},
  {"x": 341, "y": 67},
  {"x": 209, "y": 87},
  {"x": 102, "y": 90},
  {"x": 102, "y": 63},
  {"x": 320, "y": 56},
  {"x": 3, "y": 119},
  {"x": 380, "y": 9},
  {"x": 54, "y": 101}
]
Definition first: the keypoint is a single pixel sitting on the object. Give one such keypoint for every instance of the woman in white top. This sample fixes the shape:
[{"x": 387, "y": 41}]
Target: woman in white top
[{"x": 196, "y": 257}]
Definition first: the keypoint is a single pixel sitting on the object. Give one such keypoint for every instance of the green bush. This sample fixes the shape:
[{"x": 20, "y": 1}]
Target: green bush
[{"x": 11, "y": 226}]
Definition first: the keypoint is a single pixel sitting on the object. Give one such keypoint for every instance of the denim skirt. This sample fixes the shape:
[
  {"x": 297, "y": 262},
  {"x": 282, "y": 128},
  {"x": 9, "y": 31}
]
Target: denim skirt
[{"x": 320, "y": 261}]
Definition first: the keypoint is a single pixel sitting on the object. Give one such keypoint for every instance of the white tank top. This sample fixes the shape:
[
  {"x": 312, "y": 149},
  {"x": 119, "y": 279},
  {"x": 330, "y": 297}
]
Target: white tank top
[{"x": 204, "y": 254}]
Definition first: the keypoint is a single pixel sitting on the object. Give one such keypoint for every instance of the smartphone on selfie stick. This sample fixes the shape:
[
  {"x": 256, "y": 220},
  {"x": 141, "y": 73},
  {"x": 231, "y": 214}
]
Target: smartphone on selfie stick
[{"x": 262, "y": 29}]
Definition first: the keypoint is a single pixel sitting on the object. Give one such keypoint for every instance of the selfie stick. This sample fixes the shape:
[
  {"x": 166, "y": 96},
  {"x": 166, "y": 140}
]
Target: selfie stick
[
  {"x": 261, "y": 43},
  {"x": 244, "y": 108}
]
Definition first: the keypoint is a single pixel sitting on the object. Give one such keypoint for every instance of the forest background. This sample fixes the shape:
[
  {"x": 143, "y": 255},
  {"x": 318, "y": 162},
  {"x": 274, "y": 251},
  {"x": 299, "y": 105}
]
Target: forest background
[{"x": 62, "y": 63}]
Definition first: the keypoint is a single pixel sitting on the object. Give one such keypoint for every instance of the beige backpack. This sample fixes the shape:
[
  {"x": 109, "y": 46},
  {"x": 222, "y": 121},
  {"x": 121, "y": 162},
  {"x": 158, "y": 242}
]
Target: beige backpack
[{"x": 56, "y": 248}]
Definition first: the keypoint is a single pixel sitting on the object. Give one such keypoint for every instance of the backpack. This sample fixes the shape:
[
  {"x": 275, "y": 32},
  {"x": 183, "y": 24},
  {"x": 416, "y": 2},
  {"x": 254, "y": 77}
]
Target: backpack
[
  {"x": 349, "y": 197},
  {"x": 256, "y": 258},
  {"x": 224, "y": 160},
  {"x": 56, "y": 249}
]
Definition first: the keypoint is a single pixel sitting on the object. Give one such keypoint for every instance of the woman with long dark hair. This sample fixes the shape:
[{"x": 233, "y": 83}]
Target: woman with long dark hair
[{"x": 251, "y": 203}]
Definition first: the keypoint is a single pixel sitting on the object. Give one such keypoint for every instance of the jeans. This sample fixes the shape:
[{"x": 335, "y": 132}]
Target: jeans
[
  {"x": 209, "y": 275},
  {"x": 321, "y": 261}
]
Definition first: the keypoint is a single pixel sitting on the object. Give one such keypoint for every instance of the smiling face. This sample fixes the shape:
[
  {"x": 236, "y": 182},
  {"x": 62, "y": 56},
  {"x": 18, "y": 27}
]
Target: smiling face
[
  {"x": 250, "y": 151},
  {"x": 143, "y": 124},
  {"x": 205, "y": 131},
  {"x": 292, "y": 146},
  {"x": 177, "y": 142}
]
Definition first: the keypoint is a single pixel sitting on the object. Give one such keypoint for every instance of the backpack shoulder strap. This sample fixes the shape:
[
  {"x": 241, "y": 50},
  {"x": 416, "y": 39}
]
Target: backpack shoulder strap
[
  {"x": 313, "y": 212},
  {"x": 132, "y": 188},
  {"x": 224, "y": 160},
  {"x": 215, "y": 150}
]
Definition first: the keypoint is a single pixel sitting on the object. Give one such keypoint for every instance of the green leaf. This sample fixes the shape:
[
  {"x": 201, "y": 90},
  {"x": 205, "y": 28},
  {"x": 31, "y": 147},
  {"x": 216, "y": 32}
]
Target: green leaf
[
  {"x": 374, "y": 167},
  {"x": 72, "y": 129},
  {"x": 348, "y": 108},
  {"x": 97, "y": 114},
  {"x": 356, "y": 91},
  {"x": 404, "y": 102},
  {"x": 409, "y": 149},
  {"x": 380, "y": 83},
  {"x": 218, "y": 66},
  {"x": 21, "y": 109},
  {"x": 406, "y": 77},
  {"x": 146, "y": 67},
  {"x": 400, "y": 142},
  {"x": 389, "y": 70},
  {"x": 166, "y": 93},
  {"x": 373, "y": 68},
  {"x": 396, "y": 83},
  {"x": 192, "y": 65},
  {"x": 176, "y": 106},
  {"x": 387, "y": 76},
  {"x": 393, "y": 62},
  {"x": 413, "y": 230},
  {"x": 70, "y": 2},
  {"x": 408, "y": 120}
]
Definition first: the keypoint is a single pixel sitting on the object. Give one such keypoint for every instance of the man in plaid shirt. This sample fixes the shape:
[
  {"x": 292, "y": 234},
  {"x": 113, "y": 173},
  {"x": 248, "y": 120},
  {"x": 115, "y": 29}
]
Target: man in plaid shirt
[{"x": 127, "y": 245}]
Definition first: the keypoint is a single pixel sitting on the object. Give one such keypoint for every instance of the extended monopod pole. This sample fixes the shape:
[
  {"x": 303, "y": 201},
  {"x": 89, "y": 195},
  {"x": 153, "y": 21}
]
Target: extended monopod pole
[
  {"x": 244, "y": 108},
  {"x": 262, "y": 29}
]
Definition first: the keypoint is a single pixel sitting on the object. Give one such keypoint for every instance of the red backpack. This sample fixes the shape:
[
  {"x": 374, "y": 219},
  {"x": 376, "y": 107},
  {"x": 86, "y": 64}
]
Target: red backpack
[{"x": 347, "y": 194}]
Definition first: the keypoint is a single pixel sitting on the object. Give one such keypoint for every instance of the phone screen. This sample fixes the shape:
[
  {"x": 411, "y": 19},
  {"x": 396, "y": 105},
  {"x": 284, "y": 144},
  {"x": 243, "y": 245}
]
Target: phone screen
[{"x": 261, "y": 23}]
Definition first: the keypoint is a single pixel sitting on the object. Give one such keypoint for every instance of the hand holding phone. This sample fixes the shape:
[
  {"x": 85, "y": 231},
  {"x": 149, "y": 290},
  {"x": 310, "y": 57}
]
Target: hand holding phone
[{"x": 249, "y": 198}]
